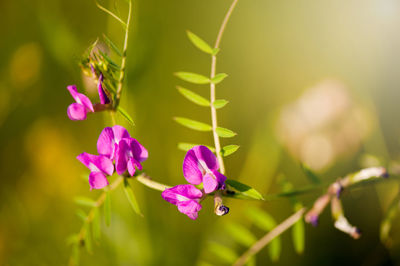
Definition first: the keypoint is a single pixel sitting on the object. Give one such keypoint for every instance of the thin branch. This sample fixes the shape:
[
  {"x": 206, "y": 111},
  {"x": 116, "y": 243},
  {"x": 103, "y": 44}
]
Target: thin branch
[
  {"x": 111, "y": 14},
  {"x": 260, "y": 244},
  {"x": 148, "y": 182},
  {"x": 123, "y": 60},
  {"x": 212, "y": 87}
]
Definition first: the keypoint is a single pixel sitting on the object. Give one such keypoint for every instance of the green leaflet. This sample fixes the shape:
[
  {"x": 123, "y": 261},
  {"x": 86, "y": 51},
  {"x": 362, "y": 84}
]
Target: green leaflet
[
  {"x": 88, "y": 238},
  {"x": 274, "y": 249},
  {"x": 298, "y": 236},
  {"x": 229, "y": 149},
  {"x": 251, "y": 261},
  {"x": 193, "y": 97},
  {"x": 310, "y": 174},
  {"x": 110, "y": 62},
  {"x": 241, "y": 234},
  {"x": 187, "y": 146},
  {"x": 107, "y": 208},
  {"x": 199, "y": 43},
  {"x": 220, "y": 103},
  {"x": 244, "y": 191},
  {"x": 192, "y": 77},
  {"x": 225, "y": 133},
  {"x": 261, "y": 219},
  {"x": 112, "y": 45},
  {"x": 131, "y": 197},
  {"x": 76, "y": 254},
  {"x": 218, "y": 78},
  {"x": 126, "y": 115},
  {"x": 73, "y": 239},
  {"x": 84, "y": 201},
  {"x": 225, "y": 254},
  {"x": 266, "y": 222},
  {"x": 387, "y": 222},
  {"x": 81, "y": 214},
  {"x": 192, "y": 124},
  {"x": 96, "y": 225}
]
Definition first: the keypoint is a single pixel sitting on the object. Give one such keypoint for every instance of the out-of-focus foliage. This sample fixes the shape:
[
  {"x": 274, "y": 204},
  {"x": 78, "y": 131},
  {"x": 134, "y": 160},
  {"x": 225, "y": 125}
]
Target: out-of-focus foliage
[{"x": 310, "y": 82}]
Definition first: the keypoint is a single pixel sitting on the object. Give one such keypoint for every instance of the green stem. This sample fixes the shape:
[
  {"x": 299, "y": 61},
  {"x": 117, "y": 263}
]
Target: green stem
[
  {"x": 123, "y": 61},
  {"x": 212, "y": 87},
  {"x": 148, "y": 182}
]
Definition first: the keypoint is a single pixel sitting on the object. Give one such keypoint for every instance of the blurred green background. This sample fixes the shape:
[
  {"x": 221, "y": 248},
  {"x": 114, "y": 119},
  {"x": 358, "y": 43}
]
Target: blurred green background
[{"x": 344, "y": 55}]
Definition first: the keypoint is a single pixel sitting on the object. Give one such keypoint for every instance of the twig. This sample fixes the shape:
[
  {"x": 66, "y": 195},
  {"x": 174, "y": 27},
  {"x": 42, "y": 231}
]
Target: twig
[
  {"x": 148, "y": 182},
  {"x": 212, "y": 87},
  {"x": 123, "y": 61},
  {"x": 260, "y": 244}
]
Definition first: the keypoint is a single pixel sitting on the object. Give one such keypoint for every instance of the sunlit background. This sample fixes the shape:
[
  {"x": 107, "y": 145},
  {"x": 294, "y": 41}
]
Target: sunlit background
[{"x": 309, "y": 81}]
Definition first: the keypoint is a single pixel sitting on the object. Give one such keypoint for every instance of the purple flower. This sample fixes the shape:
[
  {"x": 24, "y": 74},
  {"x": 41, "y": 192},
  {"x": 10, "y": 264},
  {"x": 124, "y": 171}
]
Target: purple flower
[
  {"x": 102, "y": 94},
  {"x": 99, "y": 166},
  {"x": 201, "y": 166},
  {"x": 186, "y": 198},
  {"x": 109, "y": 139},
  {"x": 116, "y": 143},
  {"x": 129, "y": 154},
  {"x": 78, "y": 110}
]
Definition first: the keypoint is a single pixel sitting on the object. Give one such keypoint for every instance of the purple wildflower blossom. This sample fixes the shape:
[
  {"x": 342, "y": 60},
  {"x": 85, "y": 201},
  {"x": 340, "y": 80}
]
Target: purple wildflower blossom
[
  {"x": 186, "y": 198},
  {"x": 129, "y": 154},
  {"x": 99, "y": 166},
  {"x": 78, "y": 110},
  {"x": 109, "y": 139},
  {"x": 116, "y": 143},
  {"x": 201, "y": 166}
]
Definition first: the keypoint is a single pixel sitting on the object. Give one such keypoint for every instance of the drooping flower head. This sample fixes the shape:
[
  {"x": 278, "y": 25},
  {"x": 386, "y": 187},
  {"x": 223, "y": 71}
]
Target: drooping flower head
[
  {"x": 116, "y": 144},
  {"x": 83, "y": 105},
  {"x": 201, "y": 166},
  {"x": 99, "y": 166},
  {"x": 186, "y": 198}
]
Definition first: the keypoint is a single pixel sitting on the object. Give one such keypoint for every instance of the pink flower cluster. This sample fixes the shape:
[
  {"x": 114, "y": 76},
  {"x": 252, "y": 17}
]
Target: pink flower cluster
[
  {"x": 200, "y": 166},
  {"x": 114, "y": 145}
]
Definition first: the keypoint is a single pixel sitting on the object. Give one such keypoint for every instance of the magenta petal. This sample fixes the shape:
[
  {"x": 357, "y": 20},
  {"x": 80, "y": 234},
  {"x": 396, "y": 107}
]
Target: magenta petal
[
  {"x": 120, "y": 133},
  {"x": 80, "y": 98},
  {"x": 105, "y": 143},
  {"x": 132, "y": 165},
  {"x": 220, "y": 179},
  {"x": 190, "y": 208},
  {"x": 73, "y": 91},
  {"x": 85, "y": 101},
  {"x": 96, "y": 163},
  {"x": 210, "y": 183},
  {"x": 104, "y": 164},
  {"x": 139, "y": 152},
  {"x": 121, "y": 158},
  {"x": 205, "y": 154},
  {"x": 87, "y": 159},
  {"x": 181, "y": 193},
  {"x": 191, "y": 170},
  {"x": 76, "y": 111},
  {"x": 102, "y": 95},
  {"x": 97, "y": 180}
]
